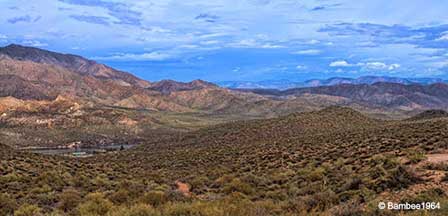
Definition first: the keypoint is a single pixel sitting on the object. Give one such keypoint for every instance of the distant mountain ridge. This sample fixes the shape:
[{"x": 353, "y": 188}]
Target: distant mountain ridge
[
  {"x": 33, "y": 74},
  {"x": 168, "y": 86},
  {"x": 380, "y": 94},
  {"x": 286, "y": 84}
]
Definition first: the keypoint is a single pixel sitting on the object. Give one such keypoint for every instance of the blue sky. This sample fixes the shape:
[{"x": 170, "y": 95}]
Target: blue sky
[{"x": 248, "y": 40}]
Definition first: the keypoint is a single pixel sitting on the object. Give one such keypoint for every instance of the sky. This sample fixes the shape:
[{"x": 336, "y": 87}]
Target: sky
[{"x": 239, "y": 40}]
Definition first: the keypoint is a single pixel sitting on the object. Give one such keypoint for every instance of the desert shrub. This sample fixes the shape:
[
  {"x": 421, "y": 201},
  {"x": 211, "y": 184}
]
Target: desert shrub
[
  {"x": 316, "y": 174},
  {"x": 282, "y": 177},
  {"x": 276, "y": 195},
  {"x": 81, "y": 181},
  {"x": 28, "y": 210},
  {"x": 415, "y": 156},
  {"x": 95, "y": 204},
  {"x": 397, "y": 178},
  {"x": 348, "y": 194},
  {"x": 68, "y": 200},
  {"x": 120, "y": 197},
  {"x": 246, "y": 208},
  {"x": 199, "y": 183},
  {"x": 51, "y": 178},
  {"x": 436, "y": 166},
  {"x": 316, "y": 202},
  {"x": 154, "y": 198},
  {"x": 388, "y": 173},
  {"x": 42, "y": 189},
  {"x": 350, "y": 208},
  {"x": 176, "y": 196},
  {"x": 7, "y": 204},
  {"x": 101, "y": 181},
  {"x": 309, "y": 188},
  {"x": 134, "y": 188},
  {"x": 235, "y": 206},
  {"x": 136, "y": 210},
  {"x": 178, "y": 209},
  {"x": 236, "y": 185},
  {"x": 352, "y": 184},
  {"x": 43, "y": 199},
  {"x": 445, "y": 177},
  {"x": 8, "y": 178},
  {"x": 143, "y": 210},
  {"x": 433, "y": 194}
]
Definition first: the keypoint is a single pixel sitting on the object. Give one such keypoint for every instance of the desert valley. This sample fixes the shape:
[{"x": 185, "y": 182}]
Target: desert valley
[{"x": 119, "y": 145}]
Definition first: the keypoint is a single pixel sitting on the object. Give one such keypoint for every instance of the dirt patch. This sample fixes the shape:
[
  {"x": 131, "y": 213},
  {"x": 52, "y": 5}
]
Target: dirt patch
[
  {"x": 430, "y": 178},
  {"x": 437, "y": 158},
  {"x": 127, "y": 121},
  {"x": 183, "y": 188}
]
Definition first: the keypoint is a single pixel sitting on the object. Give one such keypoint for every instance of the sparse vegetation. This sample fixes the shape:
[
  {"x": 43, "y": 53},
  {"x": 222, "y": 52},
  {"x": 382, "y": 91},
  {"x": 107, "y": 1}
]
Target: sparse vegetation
[{"x": 334, "y": 161}]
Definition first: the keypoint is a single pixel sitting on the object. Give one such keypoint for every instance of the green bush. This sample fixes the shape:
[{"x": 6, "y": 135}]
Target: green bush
[
  {"x": 120, "y": 197},
  {"x": 136, "y": 210},
  {"x": 236, "y": 185},
  {"x": 154, "y": 198},
  {"x": 7, "y": 204},
  {"x": 178, "y": 209},
  {"x": 95, "y": 204},
  {"x": 68, "y": 200},
  {"x": 416, "y": 156},
  {"x": 28, "y": 210}
]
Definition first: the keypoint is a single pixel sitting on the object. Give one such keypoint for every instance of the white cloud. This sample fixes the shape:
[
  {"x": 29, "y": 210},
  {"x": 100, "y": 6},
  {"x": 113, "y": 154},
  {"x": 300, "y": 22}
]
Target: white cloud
[
  {"x": 152, "y": 56},
  {"x": 210, "y": 42},
  {"x": 188, "y": 46},
  {"x": 77, "y": 48},
  {"x": 307, "y": 52},
  {"x": 379, "y": 66},
  {"x": 444, "y": 37},
  {"x": 251, "y": 43},
  {"x": 313, "y": 41},
  {"x": 246, "y": 43},
  {"x": 271, "y": 46},
  {"x": 213, "y": 35},
  {"x": 2, "y": 36},
  {"x": 301, "y": 67},
  {"x": 366, "y": 65},
  {"x": 341, "y": 63},
  {"x": 34, "y": 43},
  {"x": 366, "y": 44},
  {"x": 374, "y": 65},
  {"x": 394, "y": 66}
]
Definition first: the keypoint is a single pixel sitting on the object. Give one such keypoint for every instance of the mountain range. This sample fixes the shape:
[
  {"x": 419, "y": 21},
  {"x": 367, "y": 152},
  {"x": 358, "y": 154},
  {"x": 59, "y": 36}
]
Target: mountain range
[
  {"x": 32, "y": 74},
  {"x": 381, "y": 94},
  {"x": 287, "y": 84}
]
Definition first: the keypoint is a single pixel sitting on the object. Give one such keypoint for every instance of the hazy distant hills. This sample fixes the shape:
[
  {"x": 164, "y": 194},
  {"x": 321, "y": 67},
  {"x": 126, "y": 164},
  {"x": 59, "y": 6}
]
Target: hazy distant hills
[
  {"x": 380, "y": 94},
  {"x": 286, "y": 84}
]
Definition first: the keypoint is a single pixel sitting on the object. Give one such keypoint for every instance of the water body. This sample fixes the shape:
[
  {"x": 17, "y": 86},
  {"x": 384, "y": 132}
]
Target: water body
[{"x": 78, "y": 152}]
